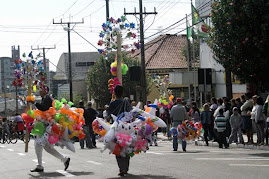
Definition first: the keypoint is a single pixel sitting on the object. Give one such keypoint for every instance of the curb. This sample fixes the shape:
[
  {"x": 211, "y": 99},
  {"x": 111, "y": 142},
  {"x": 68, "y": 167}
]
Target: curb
[{"x": 242, "y": 146}]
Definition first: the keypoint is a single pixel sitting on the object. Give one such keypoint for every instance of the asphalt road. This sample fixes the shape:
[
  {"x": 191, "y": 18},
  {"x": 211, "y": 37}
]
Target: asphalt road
[{"x": 158, "y": 162}]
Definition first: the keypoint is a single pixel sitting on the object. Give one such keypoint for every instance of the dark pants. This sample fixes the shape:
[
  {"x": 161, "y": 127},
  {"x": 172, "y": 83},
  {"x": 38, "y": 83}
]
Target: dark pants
[
  {"x": 222, "y": 139},
  {"x": 206, "y": 129},
  {"x": 90, "y": 138},
  {"x": 175, "y": 144},
  {"x": 123, "y": 163}
]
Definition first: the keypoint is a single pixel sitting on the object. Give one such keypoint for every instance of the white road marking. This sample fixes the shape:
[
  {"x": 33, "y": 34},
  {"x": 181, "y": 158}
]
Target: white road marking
[
  {"x": 21, "y": 154},
  {"x": 2, "y": 146},
  {"x": 35, "y": 160},
  {"x": 238, "y": 159},
  {"x": 65, "y": 173},
  {"x": 10, "y": 150},
  {"x": 154, "y": 153},
  {"x": 93, "y": 162},
  {"x": 248, "y": 165}
]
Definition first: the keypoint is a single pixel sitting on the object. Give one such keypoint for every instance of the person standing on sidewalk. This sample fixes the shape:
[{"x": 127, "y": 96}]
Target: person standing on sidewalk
[
  {"x": 259, "y": 120},
  {"x": 178, "y": 115},
  {"x": 252, "y": 117},
  {"x": 236, "y": 123},
  {"x": 220, "y": 123},
  {"x": 265, "y": 112},
  {"x": 90, "y": 115},
  {"x": 45, "y": 104},
  {"x": 246, "y": 112},
  {"x": 206, "y": 117}
]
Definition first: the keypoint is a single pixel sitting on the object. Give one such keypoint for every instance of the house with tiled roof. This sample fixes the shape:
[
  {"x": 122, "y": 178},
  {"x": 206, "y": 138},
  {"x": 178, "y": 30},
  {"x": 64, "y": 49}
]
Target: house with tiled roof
[{"x": 163, "y": 56}]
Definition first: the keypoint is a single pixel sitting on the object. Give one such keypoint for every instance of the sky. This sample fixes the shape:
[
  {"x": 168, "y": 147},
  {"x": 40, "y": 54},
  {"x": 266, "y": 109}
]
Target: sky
[{"x": 28, "y": 23}]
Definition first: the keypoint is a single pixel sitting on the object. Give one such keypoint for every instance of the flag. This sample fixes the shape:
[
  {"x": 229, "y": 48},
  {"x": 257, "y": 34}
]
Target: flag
[{"x": 200, "y": 26}]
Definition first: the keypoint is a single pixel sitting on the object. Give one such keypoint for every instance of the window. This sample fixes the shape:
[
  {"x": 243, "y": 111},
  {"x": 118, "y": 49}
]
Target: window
[
  {"x": 83, "y": 64},
  {"x": 90, "y": 63}
]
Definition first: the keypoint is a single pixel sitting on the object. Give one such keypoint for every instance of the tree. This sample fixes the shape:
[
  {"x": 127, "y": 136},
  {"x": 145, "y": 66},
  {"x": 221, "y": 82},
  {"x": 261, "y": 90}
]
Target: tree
[
  {"x": 240, "y": 39},
  {"x": 77, "y": 98},
  {"x": 99, "y": 74}
]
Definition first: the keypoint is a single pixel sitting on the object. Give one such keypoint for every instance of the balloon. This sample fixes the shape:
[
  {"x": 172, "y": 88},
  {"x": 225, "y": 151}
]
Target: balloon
[
  {"x": 64, "y": 101},
  {"x": 144, "y": 130},
  {"x": 173, "y": 131},
  {"x": 55, "y": 128},
  {"x": 70, "y": 104},
  {"x": 81, "y": 136},
  {"x": 31, "y": 113},
  {"x": 124, "y": 69},
  {"x": 53, "y": 139},
  {"x": 34, "y": 88},
  {"x": 124, "y": 140},
  {"x": 57, "y": 117},
  {"x": 39, "y": 129},
  {"x": 27, "y": 118}
]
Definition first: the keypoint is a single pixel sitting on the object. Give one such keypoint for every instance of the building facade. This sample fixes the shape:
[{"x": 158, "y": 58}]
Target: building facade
[
  {"x": 81, "y": 63},
  {"x": 207, "y": 61}
]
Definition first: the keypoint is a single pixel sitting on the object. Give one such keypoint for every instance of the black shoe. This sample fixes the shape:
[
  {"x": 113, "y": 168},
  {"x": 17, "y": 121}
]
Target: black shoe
[
  {"x": 174, "y": 150},
  {"x": 66, "y": 164},
  {"x": 184, "y": 150},
  {"x": 37, "y": 170},
  {"x": 122, "y": 173}
]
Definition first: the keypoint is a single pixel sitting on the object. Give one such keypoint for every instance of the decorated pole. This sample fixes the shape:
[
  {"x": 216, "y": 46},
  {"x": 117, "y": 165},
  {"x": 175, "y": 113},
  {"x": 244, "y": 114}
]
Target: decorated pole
[
  {"x": 29, "y": 93},
  {"x": 119, "y": 71}
]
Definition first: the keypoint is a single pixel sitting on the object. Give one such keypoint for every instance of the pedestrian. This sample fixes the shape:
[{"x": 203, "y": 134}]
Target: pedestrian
[
  {"x": 85, "y": 129},
  {"x": 252, "y": 117},
  {"x": 90, "y": 115},
  {"x": 19, "y": 125},
  {"x": 265, "y": 112},
  {"x": 194, "y": 113},
  {"x": 178, "y": 115},
  {"x": 236, "y": 123},
  {"x": 220, "y": 123},
  {"x": 238, "y": 104},
  {"x": 259, "y": 120},
  {"x": 154, "y": 134},
  {"x": 45, "y": 104},
  {"x": 220, "y": 106},
  {"x": 233, "y": 104},
  {"x": 105, "y": 113},
  {"x": 206, "y": 117},
  {"x": 165, "y": 116},
  {"x": 116, "y": 107},
  {"x": 214, "y": 105},
  {"x": 246, "y": 112},
  {"x": 5, "y": 129}
]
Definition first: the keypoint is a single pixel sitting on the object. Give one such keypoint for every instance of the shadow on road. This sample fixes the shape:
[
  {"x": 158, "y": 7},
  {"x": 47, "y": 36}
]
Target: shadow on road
[
  {"x": 260, "y": 154},
  {"x": 145, "y": 176},
  {"x": 56, "y": 174}
]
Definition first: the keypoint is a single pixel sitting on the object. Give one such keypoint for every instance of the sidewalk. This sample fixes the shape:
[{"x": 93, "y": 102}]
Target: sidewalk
[{"x": 215, "y": 144}]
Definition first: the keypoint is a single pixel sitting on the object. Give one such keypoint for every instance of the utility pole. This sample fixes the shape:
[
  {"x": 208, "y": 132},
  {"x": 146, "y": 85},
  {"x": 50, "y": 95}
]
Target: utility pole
[
  {"x": 143, "y": 66},
  {"x": 107, "y": 10},
  {"x": 44, "y": 58},
  {"x": 69, "y": 53},
  {"x": 188, "y": 56}
]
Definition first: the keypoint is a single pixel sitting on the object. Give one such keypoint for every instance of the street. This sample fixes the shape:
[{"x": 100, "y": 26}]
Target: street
[{"x": 158, "y": 162}]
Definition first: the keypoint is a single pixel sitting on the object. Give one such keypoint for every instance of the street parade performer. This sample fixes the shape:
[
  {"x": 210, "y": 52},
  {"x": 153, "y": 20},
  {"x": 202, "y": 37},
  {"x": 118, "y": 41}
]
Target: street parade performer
[{"x": 54, "y": 122}]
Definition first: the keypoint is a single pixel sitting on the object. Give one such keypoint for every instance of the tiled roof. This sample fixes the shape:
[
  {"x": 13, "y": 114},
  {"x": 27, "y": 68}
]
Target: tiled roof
[{"x": 164, "y": 52}]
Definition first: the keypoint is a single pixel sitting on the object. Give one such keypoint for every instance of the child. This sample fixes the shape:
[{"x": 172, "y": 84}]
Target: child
[
  {"x": 236, "y": 122},
  {"x": 220, "y": 123}
]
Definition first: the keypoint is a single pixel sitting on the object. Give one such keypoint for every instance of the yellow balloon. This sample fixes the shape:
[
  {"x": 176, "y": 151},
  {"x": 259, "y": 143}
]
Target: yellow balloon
[{"x": 34, "y": 88}]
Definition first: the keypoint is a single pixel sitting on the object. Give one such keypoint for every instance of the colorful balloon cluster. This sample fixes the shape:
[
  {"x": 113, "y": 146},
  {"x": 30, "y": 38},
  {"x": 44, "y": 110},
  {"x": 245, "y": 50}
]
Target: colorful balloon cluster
[
  {"x": 128, "y": 134},
  {"x": 112, "y": 83},
  {"x": 187, "y": 130},
  {"x": 162, "y": 84},
  {"x": 113, "y": 69},
  {"x": 59, "y": 123},
  {"x": 36, "y": 73},
  {"x": 109, "y": 36}
]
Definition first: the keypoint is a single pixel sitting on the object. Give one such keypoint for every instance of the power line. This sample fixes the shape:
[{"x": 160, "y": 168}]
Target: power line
[
  {"x": 84, "y": 8},
  {"x": 95, "y": 11}
]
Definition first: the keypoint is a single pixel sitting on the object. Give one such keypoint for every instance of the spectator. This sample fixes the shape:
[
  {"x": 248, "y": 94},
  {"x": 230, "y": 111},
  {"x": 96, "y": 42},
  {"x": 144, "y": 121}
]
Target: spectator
[
  {"x": 206, "y": 117},
  {"x": 265, "y": 112},
  {"x": 220, "y": 106},
  {"x": 238, "y": 104},
  {"x": 243, "y": 99},
  {"x": 165, "y": 116},
  {"x": 259, "y": 120},
  {"x": 247, "y": 122},
  {"x": 90, "y": 115},
  {"x": 236, "y": 122},
  {"x": 220, "y": 123},
  {"x": 252, "y": 116},
  {"x": 214, "y": 105},
  {"x": 105, "y": 113},
  {"x": 5, "y": 129},
  {"x": 178, "y": 115},
  {"x": 233, "y": 104},
  {"x": 194, "y": 113},
  {"x": 19, "y": 126}
]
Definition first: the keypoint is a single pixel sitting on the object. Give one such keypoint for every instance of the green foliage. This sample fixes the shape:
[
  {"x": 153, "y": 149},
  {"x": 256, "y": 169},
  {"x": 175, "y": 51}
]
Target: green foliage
[
  {"x": 99, "y": 74},
  {"x": 184, "y": 50},
  {"x": 77, "y": 98},
  {"x": 240, "y": 38}
]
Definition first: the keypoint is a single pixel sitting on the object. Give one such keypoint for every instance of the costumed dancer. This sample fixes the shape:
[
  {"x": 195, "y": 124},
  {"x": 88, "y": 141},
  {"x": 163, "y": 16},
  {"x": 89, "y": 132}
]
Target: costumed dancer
[{"x": 45, "y": 104}]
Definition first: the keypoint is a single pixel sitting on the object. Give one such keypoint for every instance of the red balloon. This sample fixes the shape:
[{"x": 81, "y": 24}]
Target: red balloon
[
  {"x": 55, "y": 129},
  {"x": 27, "y": 118}
]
